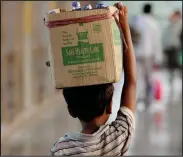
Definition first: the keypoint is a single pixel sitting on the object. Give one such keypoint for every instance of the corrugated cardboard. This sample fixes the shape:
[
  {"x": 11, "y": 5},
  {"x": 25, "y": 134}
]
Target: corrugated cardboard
[{"x": 85, "y": 53}]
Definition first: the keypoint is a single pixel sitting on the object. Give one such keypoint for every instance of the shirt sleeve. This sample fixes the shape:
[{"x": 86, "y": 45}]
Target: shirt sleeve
[
  {"x": 126, "y": 125},
  {"x": 125, "y": 118}
]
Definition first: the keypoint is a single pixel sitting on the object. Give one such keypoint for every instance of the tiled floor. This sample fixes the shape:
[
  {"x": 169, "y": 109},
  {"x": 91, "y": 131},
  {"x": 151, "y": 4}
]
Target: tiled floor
[{"x": 167, "y": 140}]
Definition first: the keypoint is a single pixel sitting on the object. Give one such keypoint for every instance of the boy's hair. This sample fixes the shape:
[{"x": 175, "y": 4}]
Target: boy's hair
[
  {"x": 147, "y": 9},
  {"x": 88, "y": 102}
]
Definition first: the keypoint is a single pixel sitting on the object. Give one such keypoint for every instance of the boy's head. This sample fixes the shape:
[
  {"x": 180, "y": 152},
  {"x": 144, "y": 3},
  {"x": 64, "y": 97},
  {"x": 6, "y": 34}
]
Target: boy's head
[{"x": 89, "y": 102}]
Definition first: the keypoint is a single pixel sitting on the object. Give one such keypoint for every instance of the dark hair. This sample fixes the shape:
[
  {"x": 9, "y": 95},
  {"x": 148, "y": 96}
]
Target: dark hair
[
  {"x": 147, "y": 9},
  {"x": 88, "y": 102}
]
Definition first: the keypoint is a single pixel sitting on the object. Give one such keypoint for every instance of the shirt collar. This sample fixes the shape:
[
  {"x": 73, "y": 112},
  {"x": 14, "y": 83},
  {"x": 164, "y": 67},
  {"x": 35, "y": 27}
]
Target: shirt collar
[{"x": 87, "y": 137}]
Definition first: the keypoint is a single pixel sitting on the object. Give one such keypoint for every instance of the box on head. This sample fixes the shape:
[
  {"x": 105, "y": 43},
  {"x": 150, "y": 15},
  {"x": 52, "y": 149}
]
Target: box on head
[{"x": 86, "y": 46}]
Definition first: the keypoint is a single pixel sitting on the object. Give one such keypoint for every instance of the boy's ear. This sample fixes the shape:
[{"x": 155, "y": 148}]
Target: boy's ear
[
  {"x": 71, "y": 113},
  {"x": 109, "y": 108}
]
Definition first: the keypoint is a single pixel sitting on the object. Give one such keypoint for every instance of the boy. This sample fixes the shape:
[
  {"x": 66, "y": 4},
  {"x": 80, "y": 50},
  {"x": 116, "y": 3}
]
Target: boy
[{"x": 92, "y": 105}]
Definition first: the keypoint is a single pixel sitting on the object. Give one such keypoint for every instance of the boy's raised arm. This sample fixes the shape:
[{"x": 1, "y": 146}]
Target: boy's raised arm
[{"x": 128, "y": 97}]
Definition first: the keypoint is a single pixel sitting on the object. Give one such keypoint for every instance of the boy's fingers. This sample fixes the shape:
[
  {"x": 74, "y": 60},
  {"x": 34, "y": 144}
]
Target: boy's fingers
[
  {"x": 122, "y": 9},
  {"x": 119, "y": 6},
  {"x": 121, "y": 14},
  {"x": 125, "y": 9}
]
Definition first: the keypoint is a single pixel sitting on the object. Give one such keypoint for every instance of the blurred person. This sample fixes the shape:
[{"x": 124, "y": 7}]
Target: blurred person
[
  {"x": 172, "y": 42},
  {"x": 92, "y": 105},
  {"x": 135, "y": 34},
  {"x": 147, "y": 48}
]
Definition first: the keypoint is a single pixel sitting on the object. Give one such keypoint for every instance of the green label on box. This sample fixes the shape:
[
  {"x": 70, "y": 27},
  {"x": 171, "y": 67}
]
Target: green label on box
[
  {"x": 83, "y": 52},
  {"x": 116, "y": 34}
]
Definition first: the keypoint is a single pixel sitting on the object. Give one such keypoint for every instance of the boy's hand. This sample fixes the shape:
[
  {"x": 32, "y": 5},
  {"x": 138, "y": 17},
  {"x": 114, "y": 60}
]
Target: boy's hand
[{"x": 123, "y": 14}]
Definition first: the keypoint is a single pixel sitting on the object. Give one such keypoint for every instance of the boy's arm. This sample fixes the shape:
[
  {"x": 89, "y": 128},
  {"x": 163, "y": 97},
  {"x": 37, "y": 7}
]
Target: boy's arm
[
  {"x": 128, "y": 97},
  {"x": 125, "y": 118}
]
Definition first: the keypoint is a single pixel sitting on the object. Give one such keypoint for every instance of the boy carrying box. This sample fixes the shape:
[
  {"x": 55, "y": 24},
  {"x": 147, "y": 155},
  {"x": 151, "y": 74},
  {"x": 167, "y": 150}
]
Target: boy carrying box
[{"x": 92, "y": 105}]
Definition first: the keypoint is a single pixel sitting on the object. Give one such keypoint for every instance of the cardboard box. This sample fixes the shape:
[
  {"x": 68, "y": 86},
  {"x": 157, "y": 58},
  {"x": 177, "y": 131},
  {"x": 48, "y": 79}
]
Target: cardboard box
[{"x": 85, "y": 53}]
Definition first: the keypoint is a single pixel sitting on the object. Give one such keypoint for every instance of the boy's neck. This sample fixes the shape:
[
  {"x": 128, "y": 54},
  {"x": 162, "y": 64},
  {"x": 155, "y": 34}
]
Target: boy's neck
[
  {"x": 89, "y": 128},
  {"x": 92, "y": 126}
]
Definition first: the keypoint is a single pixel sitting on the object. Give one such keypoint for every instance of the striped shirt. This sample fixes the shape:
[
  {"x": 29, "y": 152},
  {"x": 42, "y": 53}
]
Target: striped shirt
[{"x": 110, "y": 140}]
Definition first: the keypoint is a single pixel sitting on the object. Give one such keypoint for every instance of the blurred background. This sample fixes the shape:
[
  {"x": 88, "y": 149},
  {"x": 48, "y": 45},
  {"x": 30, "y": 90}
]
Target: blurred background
[{"x": 34, "y": 114}]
